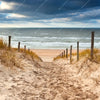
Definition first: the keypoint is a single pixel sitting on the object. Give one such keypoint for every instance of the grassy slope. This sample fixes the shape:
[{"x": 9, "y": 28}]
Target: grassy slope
[
  {"x": 85, "y": 53},
  {"x": 13, "y": 58}
]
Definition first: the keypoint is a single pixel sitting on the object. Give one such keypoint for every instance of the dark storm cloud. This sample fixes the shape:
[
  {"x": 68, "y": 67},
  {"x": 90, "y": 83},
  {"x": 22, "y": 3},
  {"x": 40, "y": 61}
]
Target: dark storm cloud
[
  {"x": 54, "y": 6},
  {"x": 76, "y": 10}
]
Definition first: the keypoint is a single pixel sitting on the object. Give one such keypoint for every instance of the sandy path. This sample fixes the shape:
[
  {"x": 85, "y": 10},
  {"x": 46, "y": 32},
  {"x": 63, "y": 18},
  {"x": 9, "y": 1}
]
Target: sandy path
[
  {"x": 47, "y": 81},
  {"x": 47, "y": 55}
]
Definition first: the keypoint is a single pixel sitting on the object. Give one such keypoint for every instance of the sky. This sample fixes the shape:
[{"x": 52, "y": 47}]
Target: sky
[{"x": 50, "y": 13}]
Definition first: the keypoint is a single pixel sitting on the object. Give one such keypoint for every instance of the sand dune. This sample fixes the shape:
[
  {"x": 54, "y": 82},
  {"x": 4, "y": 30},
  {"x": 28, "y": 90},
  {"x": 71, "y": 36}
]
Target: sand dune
[{"x": 57, "y": 80}]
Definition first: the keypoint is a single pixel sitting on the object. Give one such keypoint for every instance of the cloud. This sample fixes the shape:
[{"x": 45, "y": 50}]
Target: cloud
[
  {"x": 54, "y": 6},
  {"x": 25, "y": 24},
  {"x": 93, "y": 12},
  {"x": 6, "y": 6},
  {"x": 88, "y": 15},
  {"x": 55, "y": 20},
  {"x": 61, "y": 13},
  {"x": 98, "y": 21},
  {"x": 60, "y": 20},
  {"x": 13, "y": 15}
]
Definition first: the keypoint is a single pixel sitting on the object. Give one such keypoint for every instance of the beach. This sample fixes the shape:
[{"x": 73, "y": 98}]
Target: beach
[
  {"x": 47, "y": 55},
  {"x": 35, "y": 74},
  {"x": 30, "y": 79},
  {"x": 49, "y": 49},
  {"x": 39, "y": 73}
]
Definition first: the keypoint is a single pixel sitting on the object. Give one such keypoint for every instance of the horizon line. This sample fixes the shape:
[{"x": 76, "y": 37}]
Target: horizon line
[{"x": 51, "y": 27}]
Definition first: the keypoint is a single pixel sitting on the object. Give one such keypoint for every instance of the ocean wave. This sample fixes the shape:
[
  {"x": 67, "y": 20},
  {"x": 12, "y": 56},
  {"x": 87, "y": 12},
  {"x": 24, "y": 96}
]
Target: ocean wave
[
  {"x": 54, "y": 45},
  {"x": 48, "y": 37}
]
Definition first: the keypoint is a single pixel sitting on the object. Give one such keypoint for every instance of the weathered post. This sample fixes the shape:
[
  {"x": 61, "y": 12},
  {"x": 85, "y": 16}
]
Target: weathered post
[
  {"x": 92, "y": 44},
  {"x": 24, "y": 48},
  {"x": 18, "y": 46},
  {"x": 78, "y": 51},
  {"x": 62, "y": 54},
  {"x": 28, "y": 50},
  {"x": 9, "y": 42},
  {"x": 66, "y": 53},
  {"x": 71, "y": 54}
]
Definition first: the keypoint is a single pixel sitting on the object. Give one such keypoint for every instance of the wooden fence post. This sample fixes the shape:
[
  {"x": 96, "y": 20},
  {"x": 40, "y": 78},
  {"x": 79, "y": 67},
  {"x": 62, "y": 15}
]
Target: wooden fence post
[
  {"x": 18, "y": 46},
  {"x": 78, "y": 51},
  {"x": 9, "y": 42},
  {"x": 62, "y": 54},
  {"x": 24, "y": 48},
  {"x": 92, "y": 45},
  {"x": 66, "y": 53},
  {"x": 71, "y": 54},
  {"x": 28, "y": 50}
]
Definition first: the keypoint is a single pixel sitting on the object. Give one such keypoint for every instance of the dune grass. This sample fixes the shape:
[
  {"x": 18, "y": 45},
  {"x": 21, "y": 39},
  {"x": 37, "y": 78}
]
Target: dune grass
[
  {"x": 56, "y": 58},
  {"x": 87, "y": 52},
  {"x": 30, "y": 53},
  {"x": 3, "y": 44},
  {"x": 84, "y": 53},
  {"x": 10, "y": 57},
  {"x": 33, "y": 55}
]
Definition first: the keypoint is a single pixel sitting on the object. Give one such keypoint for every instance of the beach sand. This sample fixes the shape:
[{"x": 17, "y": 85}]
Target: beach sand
[
  {"x": 47, "y": 55},
  {"x": 57, "y": 80}
]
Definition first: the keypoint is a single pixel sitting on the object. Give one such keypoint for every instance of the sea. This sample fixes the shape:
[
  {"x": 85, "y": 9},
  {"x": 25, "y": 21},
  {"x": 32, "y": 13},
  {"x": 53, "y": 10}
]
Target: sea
[{"x": 51, "y": 38}]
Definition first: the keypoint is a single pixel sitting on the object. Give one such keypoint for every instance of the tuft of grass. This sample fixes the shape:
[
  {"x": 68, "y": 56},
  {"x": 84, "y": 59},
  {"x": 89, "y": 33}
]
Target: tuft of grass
[
  {"x": 33, "y": 55},
  {"x": 87, "y": 53},
  {"x": 9, "y": 59},
  {"x": 58, "y": 57},
  {"x": 3, "y": 45},
  {"x": 97, "y": 58}
]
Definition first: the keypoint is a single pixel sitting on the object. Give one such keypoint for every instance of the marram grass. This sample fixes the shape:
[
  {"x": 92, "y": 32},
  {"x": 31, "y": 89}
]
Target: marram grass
[
  {"x": 84, "y": 53},
  {"x": 9, "y": 57},
  {"x": 3, "y": 44}
]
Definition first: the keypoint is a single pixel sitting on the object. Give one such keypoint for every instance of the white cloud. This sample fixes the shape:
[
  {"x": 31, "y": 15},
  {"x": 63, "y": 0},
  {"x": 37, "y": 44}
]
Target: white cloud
[
  {"x": 72, "y": 13},
  {"x": 56, "y": 20},
  {"x": 60, "y": 19},
  {"x": 95, "y": 12},
  {"x": 6, "y": 5},
  {"x": 13, "y": 15},
  {"x": 98, "y": 21},
  {"x": 22, "y": 24}
]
